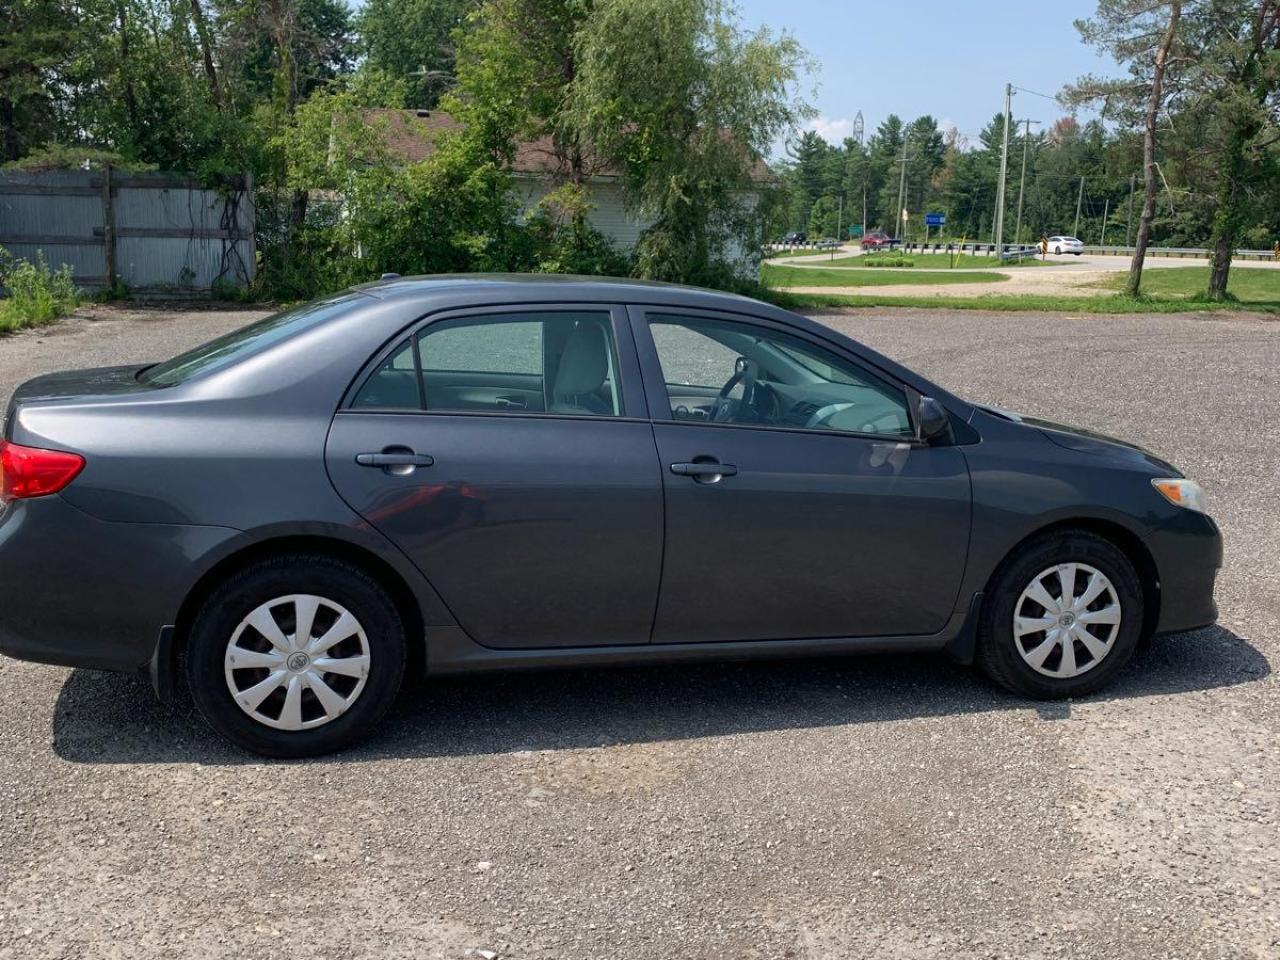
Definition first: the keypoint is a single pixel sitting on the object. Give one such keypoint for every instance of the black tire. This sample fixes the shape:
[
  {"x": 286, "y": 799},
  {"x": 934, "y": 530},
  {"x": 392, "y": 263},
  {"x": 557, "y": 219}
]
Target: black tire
[
  {"x": 266, "y": 580},
  {"x": 1058, "y": 251},
  {"x": 998, "y": 655}
]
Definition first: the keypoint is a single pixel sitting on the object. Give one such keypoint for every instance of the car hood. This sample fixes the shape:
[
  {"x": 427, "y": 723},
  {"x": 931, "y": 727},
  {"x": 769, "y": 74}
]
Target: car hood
[{"x": 1082, "y": 440}]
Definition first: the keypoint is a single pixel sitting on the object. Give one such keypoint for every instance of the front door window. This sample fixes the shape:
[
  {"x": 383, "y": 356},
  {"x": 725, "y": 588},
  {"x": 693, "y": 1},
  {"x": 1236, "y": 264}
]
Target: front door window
[{"x": 720, "y": 371}]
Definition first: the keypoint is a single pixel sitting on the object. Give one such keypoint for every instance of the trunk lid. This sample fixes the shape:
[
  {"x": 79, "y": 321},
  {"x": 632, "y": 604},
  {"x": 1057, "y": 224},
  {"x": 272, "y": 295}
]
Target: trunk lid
[
  {"x": 73, "y": 385},
  {"x": 95, "y": 382}
]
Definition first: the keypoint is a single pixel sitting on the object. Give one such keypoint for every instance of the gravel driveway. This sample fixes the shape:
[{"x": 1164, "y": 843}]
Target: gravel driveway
[{"x": 877, "y": 807}]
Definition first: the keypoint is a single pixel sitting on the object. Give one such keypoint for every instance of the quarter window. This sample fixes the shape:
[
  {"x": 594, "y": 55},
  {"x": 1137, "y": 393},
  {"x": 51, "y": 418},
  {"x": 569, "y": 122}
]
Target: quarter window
[
  {"x": 736, "y": 373},
  {"x": 394, "y": 384},
  {"x": 563, "y": 363}
]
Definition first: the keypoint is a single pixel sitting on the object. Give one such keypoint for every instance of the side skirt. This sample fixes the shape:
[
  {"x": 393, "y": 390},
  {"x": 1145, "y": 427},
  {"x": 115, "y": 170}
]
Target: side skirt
[{"x": 451, "y": 651}]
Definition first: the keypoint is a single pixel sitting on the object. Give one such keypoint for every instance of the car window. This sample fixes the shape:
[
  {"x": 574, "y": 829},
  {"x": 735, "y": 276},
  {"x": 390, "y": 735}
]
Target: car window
[
  {"x": 564, "y": 363},
  {"x": 235, "y": 346},
  {"x": 690, "y": 357},
  {"x": 737, "y": 373},
  {"x": 394, "y": 384},
  {"x": 507, "y": 347}
]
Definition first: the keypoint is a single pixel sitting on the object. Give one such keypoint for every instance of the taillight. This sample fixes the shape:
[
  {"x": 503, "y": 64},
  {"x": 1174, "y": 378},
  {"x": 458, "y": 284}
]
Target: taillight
[{"x": 27, "y": 472}]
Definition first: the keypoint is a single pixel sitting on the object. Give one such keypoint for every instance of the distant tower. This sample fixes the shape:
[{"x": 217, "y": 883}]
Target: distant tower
[{"x": 857, "y": 128}]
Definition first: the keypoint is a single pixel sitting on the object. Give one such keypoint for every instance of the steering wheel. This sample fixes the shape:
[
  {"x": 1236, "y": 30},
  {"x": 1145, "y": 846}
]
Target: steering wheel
[{"x": 727, "y": 410}]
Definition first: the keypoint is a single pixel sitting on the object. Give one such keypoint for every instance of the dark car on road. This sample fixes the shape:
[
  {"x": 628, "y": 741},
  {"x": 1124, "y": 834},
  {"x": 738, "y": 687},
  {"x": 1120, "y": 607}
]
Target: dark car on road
[{"x": 453, "y": 474}]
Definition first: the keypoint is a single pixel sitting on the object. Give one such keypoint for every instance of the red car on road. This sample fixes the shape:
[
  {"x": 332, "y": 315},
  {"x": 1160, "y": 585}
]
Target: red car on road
[{"x": 878, "y": 240}]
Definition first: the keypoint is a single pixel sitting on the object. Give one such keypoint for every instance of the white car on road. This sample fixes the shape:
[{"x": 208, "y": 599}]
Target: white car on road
[{"x": 1061, "y": 245}]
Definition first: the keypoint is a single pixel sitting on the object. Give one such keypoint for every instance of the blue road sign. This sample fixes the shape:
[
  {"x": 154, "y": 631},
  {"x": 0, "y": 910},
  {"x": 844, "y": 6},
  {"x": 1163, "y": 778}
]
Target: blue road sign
[{"x": 934, "y": 219}]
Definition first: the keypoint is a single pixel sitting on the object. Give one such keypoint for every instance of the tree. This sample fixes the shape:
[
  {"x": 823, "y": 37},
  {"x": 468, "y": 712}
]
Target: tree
[
  {"x": 823, "y": 218},
  {"x": 885, "y": 148},
  {"x": 926, "y": 151},
  {"x": 1235, "y": 82},
  {"x": 806, "y": 176},
  {"x": 414, "y": 40},
  {"x": 1142, "y": 34},
  {"x": 676, "y": 95},
  {"x": 36, "y": 39}
]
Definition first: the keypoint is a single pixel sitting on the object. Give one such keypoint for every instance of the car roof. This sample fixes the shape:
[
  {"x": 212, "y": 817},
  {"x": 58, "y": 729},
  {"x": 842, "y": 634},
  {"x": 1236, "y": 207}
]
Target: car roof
[{"x": 546, "y": 287}]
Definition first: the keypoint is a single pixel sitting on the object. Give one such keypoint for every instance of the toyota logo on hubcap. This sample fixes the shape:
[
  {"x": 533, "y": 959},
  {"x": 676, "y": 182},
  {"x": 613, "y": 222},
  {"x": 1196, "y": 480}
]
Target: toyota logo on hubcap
[{"x": 298, "y": 661}]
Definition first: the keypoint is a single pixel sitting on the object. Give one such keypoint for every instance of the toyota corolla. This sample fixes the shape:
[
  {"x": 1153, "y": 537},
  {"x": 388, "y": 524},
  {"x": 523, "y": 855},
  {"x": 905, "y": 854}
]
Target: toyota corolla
[{"x": 453, "y": 474}]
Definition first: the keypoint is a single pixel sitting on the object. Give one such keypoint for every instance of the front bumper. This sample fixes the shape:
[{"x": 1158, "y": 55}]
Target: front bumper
[
  {"x": 1187, "y": 550},
  {"x": 82, "y": 592}
]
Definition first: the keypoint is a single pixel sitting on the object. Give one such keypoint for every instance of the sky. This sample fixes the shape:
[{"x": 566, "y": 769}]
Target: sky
[{"x": 949, "y": 60}]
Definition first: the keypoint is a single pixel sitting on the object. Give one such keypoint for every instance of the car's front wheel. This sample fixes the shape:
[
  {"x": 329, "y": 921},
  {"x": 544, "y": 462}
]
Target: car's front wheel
[
  {"x": 296, "y": 656},
  {"x": 1063, "y": 617}
]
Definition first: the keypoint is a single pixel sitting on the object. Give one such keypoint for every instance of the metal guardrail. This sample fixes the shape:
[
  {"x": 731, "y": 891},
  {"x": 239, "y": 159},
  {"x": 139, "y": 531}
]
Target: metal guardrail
[
  {"x": 817, "y": 246},
  {"x": 1198, "y": 252},
  {"x": 1023, "y": 251},
  {"x": 1017, "y": 251}
]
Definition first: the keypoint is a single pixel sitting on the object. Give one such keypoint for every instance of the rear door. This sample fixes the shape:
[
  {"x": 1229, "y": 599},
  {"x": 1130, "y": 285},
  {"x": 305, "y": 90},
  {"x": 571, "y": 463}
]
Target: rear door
[
  {"x": 509, "y": 454},
  {"x": 798, "y": 502}
]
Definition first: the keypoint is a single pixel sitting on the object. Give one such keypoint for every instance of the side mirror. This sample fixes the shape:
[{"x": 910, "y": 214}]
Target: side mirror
[{"x": 935, "y": 422}]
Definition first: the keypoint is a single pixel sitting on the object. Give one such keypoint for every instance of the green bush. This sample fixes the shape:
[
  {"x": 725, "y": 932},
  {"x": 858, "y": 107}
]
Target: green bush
[
  {"x": 36, "y": 294},
  {"x": 887, "y": 260}
]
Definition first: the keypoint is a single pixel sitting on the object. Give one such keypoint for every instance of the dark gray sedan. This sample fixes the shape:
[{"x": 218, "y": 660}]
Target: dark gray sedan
[{"x": 474, "y": 473}]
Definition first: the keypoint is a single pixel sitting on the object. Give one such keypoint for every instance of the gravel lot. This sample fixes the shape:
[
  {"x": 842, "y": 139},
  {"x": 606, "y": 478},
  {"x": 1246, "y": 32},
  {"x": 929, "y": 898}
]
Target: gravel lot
[{"x": 879, "y": 807}]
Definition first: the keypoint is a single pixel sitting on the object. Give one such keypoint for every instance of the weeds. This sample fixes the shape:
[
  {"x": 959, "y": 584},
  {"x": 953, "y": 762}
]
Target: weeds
[{"x": 36, "y": 294}]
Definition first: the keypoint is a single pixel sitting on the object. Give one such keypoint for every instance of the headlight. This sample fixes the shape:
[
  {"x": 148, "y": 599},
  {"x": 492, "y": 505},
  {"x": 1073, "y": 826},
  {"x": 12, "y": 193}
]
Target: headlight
[{"x": 1182, "y": 493}]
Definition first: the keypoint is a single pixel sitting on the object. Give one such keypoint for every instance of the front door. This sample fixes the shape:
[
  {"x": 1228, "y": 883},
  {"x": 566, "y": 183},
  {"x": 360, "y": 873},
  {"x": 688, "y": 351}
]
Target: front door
[
  {"x": 509, "y": 456},
  {"x": 798, "y": 502}
]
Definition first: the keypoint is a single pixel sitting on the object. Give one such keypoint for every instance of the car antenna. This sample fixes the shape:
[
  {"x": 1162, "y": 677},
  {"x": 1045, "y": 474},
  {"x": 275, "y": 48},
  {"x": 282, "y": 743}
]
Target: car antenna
[{"x": 390, "y": 276}]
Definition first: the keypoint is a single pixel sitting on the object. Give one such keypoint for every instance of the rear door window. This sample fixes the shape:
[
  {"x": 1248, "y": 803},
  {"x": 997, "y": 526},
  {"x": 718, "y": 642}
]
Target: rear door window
[{"x": 536, "y": 362}]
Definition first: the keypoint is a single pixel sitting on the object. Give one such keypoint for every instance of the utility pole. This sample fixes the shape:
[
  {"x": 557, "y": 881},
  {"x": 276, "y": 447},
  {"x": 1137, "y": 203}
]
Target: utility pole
[
  {"x": 1026, "y": 138},
  {"x": 1106, "y": 210},
  {"x": 1079, "y": 199},
  {"x": 902, "y": 186},
  {"x": 1004, "y": 169},
  {"x": 1133, "y": 179},
  {"x": 864, "y": 208}
]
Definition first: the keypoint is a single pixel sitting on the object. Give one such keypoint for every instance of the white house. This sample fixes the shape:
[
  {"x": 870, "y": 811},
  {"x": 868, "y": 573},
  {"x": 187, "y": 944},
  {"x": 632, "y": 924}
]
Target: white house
[{"x": 537, "y": 169}]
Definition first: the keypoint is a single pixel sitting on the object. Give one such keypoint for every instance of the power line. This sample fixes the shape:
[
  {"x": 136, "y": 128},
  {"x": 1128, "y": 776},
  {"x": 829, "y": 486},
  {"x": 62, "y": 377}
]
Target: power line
[{"x": 1035, "y": 93}]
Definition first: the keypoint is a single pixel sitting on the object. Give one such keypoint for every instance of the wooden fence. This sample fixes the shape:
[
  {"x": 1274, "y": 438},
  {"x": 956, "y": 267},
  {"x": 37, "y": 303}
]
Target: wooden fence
[{"x": 155, "y": 233}]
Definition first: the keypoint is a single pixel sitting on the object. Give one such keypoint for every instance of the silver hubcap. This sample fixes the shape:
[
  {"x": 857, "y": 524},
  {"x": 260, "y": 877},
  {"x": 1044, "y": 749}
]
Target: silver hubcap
[
  {"x": 1067, "y": 620},
  {"x": 297, "y": 662}
]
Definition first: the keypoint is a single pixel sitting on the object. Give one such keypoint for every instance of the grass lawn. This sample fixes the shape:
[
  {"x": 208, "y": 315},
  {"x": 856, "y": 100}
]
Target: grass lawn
[
  {"x": 772, "y": 276},
  {"x": 941, "y": 261},
  {"x": 1252, "y": 287},
  {"x": 1027, "y": 303}
]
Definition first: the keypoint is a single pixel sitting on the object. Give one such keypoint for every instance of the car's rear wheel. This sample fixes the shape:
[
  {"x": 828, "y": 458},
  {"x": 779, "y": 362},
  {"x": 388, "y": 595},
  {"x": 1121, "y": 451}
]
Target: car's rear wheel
[
  {"x": 1063, "y": 617},
  {"x": 1058, "y": 251},
  {"x": 296, "y": 655}
]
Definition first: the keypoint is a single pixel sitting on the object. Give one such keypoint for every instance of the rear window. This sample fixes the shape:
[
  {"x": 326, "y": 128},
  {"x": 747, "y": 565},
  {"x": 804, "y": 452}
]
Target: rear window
[{"x": 235, "y": 346}]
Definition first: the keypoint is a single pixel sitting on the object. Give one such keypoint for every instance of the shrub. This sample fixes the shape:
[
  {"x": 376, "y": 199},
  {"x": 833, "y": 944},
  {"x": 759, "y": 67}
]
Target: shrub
[
  {"x": 36, "y": 294},
  {"x": 891, "y": 260}
]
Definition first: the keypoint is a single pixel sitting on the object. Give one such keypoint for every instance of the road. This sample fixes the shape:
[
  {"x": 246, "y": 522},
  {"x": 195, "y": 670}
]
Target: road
[
  {"x": 1066, "y": 276},
  {"x": 880, "y": 807}
]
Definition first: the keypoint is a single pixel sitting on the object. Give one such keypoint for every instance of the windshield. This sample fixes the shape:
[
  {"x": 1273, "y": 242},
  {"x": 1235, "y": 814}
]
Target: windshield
[{"x": 234, "y": 346}]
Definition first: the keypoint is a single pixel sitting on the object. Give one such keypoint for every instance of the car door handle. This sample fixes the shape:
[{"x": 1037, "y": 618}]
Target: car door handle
[
  {"x": 704, "y": 470},
  {"x": 394, "y": 459}
]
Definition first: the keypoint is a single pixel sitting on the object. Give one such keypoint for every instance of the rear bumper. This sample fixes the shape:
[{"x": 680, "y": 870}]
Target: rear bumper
[
  {"x": 1188, "y": 554},
  {"x": 81, "y": 592}
]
